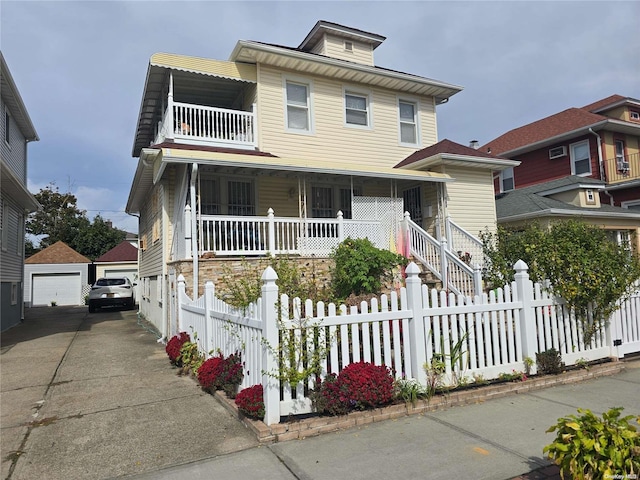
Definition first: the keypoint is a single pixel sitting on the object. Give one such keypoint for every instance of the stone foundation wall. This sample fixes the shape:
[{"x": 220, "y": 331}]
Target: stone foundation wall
[{"x": 221, "y": 271}]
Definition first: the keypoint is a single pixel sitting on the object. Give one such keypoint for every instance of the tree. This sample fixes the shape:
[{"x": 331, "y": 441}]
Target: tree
[
  {"x": 582, "y": 265},
  {"x": 60, "y": 219}
]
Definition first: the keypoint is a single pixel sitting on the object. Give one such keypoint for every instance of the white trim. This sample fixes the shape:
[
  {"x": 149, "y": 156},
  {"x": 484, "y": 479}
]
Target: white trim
[
  {"x": 572, "y": 146},
  {"x": 357, "y": 92},
  {"x": 416, "y": 103},
  {"x": 562, "y": 152},
  {"x": 308, "y": 83}
]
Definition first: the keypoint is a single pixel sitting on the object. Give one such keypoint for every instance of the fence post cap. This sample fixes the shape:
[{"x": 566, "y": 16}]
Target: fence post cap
[
  {"x": 520, "y": 266},
  {"x": 181, "y": 278},
  {"x": 269, "y": 275},
  {"x": 340, "y": 214},
  {"x": 270, "y": 211},
  {"x": 412, "y": 269},
  {"x": 407, "y": 215}
]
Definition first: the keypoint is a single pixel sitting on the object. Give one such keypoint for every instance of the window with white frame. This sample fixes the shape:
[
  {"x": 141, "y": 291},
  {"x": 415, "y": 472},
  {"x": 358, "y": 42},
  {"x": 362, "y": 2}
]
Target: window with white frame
[
  {"x": 634, "y": 115},
  {"x": 633, "y": 205},
  {"x": 621, "y": 237},
  {"x": 580, "y": 159},
  {"x": 298, "y": 100},
  {"x": 507, "y": 181},
  {"x": 408, "y": 122},
  {"x": 356, "y": 109},
  {"x": 591, "y": 197}
]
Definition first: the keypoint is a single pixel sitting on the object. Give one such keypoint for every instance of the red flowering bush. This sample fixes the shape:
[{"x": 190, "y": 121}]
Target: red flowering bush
[
  {"x": 251, "y": 402},
  {"x": 221, "y": 373},
  {"x": 329, "y": 397},
  {"x": 359, "y": 386},
  {"x": 174, "y": 345},
  {"x": 366, "y": 384}
]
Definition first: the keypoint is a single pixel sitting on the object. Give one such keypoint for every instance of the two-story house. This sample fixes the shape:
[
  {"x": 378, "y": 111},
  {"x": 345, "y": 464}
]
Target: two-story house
[
  {"x": 289, "y": 150},
  {"x": 599, "y": 141},
  {"x": 15, "y": 200}
]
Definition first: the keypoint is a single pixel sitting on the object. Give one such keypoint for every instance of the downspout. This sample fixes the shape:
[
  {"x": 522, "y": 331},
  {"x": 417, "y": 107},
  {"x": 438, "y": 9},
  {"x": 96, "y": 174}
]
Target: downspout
[
  {"x": 601, "y": 164},
  {"x": 195, "y": 214}
]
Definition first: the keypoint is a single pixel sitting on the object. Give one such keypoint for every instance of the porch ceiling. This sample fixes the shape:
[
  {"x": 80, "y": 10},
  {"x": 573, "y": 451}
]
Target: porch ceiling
[{"x": 297, "y": 165}]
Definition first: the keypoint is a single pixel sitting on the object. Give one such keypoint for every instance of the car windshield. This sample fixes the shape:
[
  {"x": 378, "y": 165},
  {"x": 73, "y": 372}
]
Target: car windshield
[{"x": 111, "y": 282}]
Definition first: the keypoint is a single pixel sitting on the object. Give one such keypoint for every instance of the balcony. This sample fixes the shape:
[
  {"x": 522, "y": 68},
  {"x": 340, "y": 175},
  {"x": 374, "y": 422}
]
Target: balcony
[
  {"x": 622, "y": 169},
  {"x": 208, "y": 126}
]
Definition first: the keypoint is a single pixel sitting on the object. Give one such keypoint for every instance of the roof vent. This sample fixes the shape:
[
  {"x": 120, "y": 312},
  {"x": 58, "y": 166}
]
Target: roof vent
[{"x": 474, "y": 144}]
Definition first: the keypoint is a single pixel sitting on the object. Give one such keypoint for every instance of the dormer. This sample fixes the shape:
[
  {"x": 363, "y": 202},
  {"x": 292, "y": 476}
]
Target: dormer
[{"x": 338, "y": 41}]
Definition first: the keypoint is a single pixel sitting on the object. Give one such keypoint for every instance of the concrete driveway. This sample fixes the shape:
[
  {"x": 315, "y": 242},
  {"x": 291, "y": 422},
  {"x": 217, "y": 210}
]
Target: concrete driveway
[{"x": 93, "y": 396}]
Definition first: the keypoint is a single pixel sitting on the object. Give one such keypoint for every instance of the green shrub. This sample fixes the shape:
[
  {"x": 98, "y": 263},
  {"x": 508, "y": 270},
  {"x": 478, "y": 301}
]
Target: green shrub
[
  {"x": 361, "y": 268},
  {"x": 590, "y": 447},
  {"x": 549, "y": 361}
]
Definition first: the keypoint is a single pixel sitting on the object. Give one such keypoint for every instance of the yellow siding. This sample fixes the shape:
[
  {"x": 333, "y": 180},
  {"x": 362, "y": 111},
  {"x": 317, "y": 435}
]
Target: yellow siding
[
  {"x": 471, "y": 201},
  {"x": 331, "y": 139},
  {"x": 151, "y": 256},
  {"x": 218, "y": 68},
  {"x": 273, "y": 192},
  {"x": 361, "y": 53}
]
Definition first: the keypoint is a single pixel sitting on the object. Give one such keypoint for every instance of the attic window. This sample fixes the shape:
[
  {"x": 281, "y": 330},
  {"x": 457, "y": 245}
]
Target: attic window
[
  {"x": 591, "y": 199},
  {"x": 557, "y": 152},
  {"x": 348, "y": 46},
  {"x": 634, "y": 115}
]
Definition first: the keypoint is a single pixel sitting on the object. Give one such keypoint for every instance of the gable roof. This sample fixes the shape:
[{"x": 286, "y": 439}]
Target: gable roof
[
  {"x": 322, "y": 26},
  {"x": 13, "y": 100},
  {"x": 446, "y": 150},
  {"x": 532, "y": 202},
  {"x": 123, "y": 252},
  {"x": 57, "y": 253},
  {"x": 559, "y": 127}
]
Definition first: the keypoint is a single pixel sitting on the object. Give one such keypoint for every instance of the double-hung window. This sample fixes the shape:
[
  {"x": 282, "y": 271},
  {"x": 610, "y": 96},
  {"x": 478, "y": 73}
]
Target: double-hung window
[
  {"x": 580, "y": 159},
  {"x": 506, "y": 180},
  {"x": 408, "y": 122},
  {"x": 298, "y": 106},
  {"x": 356, "y": 109}
]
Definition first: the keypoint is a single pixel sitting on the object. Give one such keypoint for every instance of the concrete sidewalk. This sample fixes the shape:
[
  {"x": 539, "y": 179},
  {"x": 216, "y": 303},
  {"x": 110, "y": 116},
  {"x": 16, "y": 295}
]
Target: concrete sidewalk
[{"x": 94, "y": 397}]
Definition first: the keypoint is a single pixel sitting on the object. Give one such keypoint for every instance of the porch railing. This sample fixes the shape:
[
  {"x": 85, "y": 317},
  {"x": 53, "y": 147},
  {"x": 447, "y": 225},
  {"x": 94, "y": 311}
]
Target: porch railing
[
  {"x": 622, "y": 168},
  {"x": 467, "y": 246},
  {"x": 230, "y": 235},
  {"x": 209, "y": 125},
  {"x": 456, "y": 275}
]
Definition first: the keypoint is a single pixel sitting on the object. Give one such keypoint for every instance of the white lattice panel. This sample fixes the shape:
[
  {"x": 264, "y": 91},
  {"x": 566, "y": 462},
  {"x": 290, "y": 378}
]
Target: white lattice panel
[{"x": 388, "y": 211}]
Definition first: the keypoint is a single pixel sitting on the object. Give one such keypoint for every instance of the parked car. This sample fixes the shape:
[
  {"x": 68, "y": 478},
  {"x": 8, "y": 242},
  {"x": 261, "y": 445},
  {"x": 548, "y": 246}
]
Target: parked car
[{"x": 112, "y": 292}]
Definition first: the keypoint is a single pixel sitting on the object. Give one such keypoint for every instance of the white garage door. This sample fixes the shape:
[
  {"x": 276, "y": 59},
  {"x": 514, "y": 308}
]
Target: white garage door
[{"x": 63, "y": 288}]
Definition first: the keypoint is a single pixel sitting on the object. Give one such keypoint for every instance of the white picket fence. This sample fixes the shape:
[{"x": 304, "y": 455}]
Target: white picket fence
[{"x": 494, "y": 332}]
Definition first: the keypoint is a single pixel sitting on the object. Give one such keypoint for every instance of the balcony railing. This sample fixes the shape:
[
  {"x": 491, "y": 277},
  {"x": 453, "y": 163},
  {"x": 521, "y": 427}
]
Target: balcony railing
[
  {"x": 622, "y": 168},
  {"x": 183, "y": 122}
]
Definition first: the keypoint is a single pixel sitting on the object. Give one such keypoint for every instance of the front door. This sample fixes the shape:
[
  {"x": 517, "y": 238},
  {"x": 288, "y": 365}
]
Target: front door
[{"x": 412, "y": 198}]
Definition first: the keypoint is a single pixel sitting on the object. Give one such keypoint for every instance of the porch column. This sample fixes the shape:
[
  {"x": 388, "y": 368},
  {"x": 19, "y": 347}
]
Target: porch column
[
  {"x": 169, "y": 119},
  {"x": 340, "y": 227}
]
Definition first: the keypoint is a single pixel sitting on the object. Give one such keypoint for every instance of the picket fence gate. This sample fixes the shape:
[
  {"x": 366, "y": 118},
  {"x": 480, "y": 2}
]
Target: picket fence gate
[{"x": 492, "y": 333}]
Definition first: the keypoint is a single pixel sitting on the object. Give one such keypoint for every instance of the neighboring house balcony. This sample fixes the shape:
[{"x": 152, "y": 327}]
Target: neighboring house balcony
[
  {"x": 204, "y": 125},
  {"x": 622, "y": 168}
]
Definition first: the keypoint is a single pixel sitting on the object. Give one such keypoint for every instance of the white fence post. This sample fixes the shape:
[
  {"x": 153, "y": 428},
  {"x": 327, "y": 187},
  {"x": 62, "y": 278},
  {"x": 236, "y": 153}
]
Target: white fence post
[
  {"x": 272, "y": 232},
  {"x": 340, "y": 227},
  {"x": 416, "y": 324},
  {"x": 182, "y": 292},
  {"x": 209, "y": 295},
  {"x": 270, "y": 385},
  {"x": 406, "y": 233},
  {"x": 524, "y": 289}
]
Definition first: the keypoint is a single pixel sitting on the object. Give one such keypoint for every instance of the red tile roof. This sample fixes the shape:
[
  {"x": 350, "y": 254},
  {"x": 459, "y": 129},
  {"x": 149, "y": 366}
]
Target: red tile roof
[
  {"x": 563, "y": 122},
  {"x": 603, "y": 103},
  {"x": 123, "y": 252},
  {"x": 443, "y": 147},
  {"x": 57, "y": 253}
]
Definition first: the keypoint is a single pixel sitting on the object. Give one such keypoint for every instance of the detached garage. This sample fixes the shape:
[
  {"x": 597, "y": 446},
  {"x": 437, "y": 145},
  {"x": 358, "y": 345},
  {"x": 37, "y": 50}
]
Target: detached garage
[{"x": 56, "y": 274}]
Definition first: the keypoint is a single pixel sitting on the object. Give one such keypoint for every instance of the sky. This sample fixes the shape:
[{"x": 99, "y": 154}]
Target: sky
[{"x": 80, "y": 67}]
